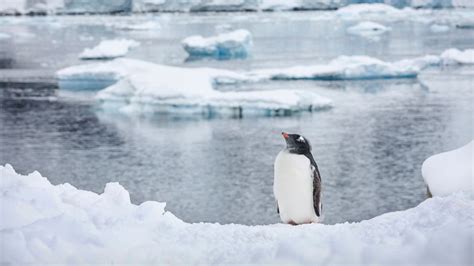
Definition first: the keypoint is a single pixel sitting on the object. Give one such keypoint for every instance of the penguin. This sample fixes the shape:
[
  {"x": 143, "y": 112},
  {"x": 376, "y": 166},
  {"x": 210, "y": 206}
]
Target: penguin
[{"x": 297, "y": 182}]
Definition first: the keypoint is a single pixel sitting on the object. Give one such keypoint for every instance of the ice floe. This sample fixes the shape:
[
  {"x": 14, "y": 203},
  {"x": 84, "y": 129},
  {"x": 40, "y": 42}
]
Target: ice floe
[
  {"x": 455, "y": 56},
  {"x": 138, "y": 86},
  {"x": 60, "y": 224},
  {"x": 450, "y": 172},
  {"x": 439, "y": 28},
  {"x": 109, "y": 49},
  {"x": 226, "y": 45},
  {"x": 368, "y": 29}
]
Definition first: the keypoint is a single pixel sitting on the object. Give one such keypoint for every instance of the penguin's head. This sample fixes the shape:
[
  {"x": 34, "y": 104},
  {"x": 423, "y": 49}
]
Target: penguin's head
[{"x": 296, "y": 143}]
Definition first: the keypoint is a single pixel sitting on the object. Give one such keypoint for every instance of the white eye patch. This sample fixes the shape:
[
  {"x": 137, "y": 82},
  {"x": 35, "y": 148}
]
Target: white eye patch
[{"x": 300, "y": 139}]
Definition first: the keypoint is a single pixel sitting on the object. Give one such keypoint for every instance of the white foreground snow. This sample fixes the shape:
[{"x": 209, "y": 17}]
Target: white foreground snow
[
  {"x": 450, "y": 172},
  {"x": 138, "y": 86},
  {"x": 46, "y": 224},
  {"x": 368, "y": 29},
  {"x": 109, "y": 49},
  {"x": 226, "y": 45}
]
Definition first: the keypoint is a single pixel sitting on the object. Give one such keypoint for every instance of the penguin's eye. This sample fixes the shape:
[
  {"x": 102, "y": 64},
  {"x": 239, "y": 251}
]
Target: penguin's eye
[{"x": 300, "y": 139}]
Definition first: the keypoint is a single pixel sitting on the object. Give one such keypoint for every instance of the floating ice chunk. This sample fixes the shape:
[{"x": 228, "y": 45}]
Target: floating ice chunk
[
  {"x": 227, "y": 45},
  {"x": 137, "y": 86},
  {"x": 450, "y": 172},
  {"x": 109, "y": 49},
  {"x": 226, "y": 5},
  {"x": 149, "y": 25},
  {"x": 369, "y": 11},
  {"x": 4, "y": 36},
  {"x": 343, "y": 67},
  {"x": 45, "y": 224},
  {"x": 439, "y": 28},
  {"x": 455, "y": 56},
  {"x": 368, "y": 29}
]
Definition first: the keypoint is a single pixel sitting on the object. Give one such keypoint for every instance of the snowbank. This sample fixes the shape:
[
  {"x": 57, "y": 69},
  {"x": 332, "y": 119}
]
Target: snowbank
[
  {"x": 109, "y": 49},
  {"x": 368, "y": 29},
  {"x": 455, "y": 56},
  {"x": 450, "y": 172},
  {"x": 138, "y": 86},
  {"x": 226, "y": 45},
  {"x": 46, "y": 224}
]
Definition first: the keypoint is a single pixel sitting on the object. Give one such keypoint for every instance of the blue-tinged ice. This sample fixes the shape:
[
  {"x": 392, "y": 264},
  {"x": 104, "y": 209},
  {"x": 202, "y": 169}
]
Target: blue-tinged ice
[{"x": 234, "y": 44}]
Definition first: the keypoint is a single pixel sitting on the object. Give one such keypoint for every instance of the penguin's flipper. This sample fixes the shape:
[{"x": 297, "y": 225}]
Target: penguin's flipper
[
  {"x": 317, "y": 191},
  {"x": 278, "y": 208}
]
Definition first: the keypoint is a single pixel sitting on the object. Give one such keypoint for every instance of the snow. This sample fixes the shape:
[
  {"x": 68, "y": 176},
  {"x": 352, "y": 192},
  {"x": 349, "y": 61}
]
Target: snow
[
  {"x": 368, "y": 29},
  {"x": 455, "y": 56},
  {"x": 226, "y": 45},
  {"x": 109, "y": 49},
  {"x": 60, "y": 224},
  {"x": 450, "y": 172},
  {"x": 439, "y": 28},
  {"x": 136, "y": 86}
]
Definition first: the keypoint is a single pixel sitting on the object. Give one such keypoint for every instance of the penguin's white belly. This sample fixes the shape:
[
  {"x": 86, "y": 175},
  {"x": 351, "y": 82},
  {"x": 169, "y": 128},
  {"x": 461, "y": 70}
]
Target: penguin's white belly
[{"x": 293, "y": 188}]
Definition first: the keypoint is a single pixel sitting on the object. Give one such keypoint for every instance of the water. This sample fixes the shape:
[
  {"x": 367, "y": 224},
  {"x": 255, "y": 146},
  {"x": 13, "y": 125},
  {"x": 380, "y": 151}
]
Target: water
[{"x": 369, "y": 147}]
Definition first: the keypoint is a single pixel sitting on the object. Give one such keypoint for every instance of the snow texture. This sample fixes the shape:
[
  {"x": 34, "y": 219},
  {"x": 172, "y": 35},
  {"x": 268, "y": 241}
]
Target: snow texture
[
  {"x": 450, "y": 172},
  {"x": 46, "y": 224},
  {"x": 226, "y": 45},
  {"x": 109, "y": 49},
  {"x": 138, "y": 86}
]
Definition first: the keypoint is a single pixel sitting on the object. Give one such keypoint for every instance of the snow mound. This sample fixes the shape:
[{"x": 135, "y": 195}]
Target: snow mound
[
  {"x": 226, "y": 45},
  {"x": 47, "y": 224},
  {"x": 368, "y": 29},
  {"x": 455, "y": 56},
  {"x": 450, "y": 172},
  {"x": 109, "y": 49},
  {"x": 138, "y": 86}
]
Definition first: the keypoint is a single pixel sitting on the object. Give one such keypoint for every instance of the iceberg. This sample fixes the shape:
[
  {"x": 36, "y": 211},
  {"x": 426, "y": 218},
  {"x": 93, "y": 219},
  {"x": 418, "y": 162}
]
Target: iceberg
[
  {"x": 450, "y": 172},
  {"x": 343, "y": 68},
  {"x": 368, "y": 29},
  {"x": 60, "y": 224},
  {"x": 109, "y": 49},
  {"x": 369, "y": 11},
  {"x": 149, "y": 25},
  {"x": 439, "y": 28},
  {"x": 132, "y": 86},
  {"x": 454, "y": 56},
  {"x": 226, "y": 45}
]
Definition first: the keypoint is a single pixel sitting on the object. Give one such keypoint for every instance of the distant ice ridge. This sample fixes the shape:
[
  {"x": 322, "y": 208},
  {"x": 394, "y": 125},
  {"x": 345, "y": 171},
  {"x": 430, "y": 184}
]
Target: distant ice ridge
[
  {"x": 450, "y": 172},
  {"x": 368, "y": 29},
  {"x": 225, "y": 45},
  {"x": 113, "y": 6},
  {"x": 109, "y": 49},
  {"x": 138, "y": 86},
  {"x": 47, "y": 224}
]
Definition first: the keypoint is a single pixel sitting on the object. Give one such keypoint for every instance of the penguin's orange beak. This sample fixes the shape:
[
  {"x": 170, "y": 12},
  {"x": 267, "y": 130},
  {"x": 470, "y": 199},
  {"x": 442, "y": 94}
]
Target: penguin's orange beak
[{"x": 284, "y": 134}]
